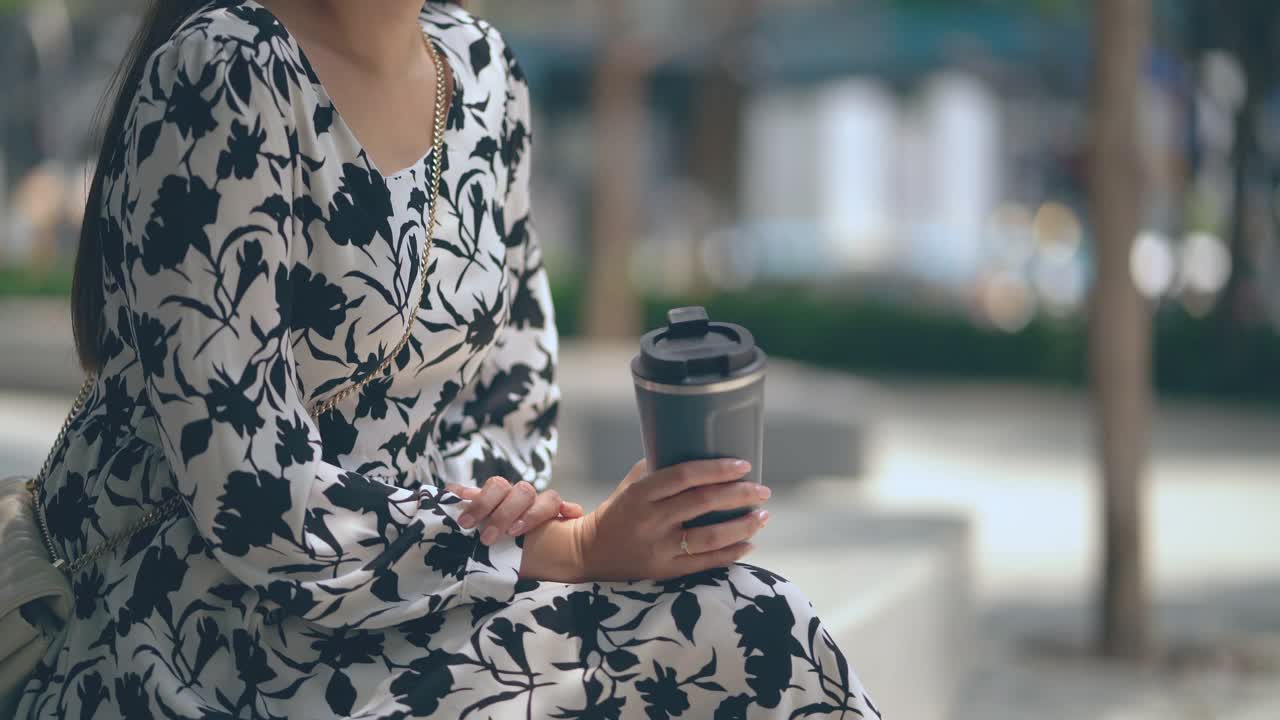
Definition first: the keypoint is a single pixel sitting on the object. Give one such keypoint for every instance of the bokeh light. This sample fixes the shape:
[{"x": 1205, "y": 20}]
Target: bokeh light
[
  {"x": 1205, "y": 263},
  {"x": 1151, "y": 263}
]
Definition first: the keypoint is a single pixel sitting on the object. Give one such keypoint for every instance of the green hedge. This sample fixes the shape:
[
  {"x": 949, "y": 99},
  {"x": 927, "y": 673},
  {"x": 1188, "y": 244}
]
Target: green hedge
[
  {"x": 1192, "y": 357},
  {"x": 16, "y": 281}
]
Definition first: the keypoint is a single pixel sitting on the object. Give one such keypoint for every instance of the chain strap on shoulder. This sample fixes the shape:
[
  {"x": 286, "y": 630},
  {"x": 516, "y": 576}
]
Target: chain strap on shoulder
[
  {"x": 437, "y": 162},
  {"x": 173, "y": 504}
]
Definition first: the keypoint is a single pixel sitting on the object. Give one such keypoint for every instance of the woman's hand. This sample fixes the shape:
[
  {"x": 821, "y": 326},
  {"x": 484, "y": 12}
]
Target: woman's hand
[
  {"x": 636, "y": 533},
  {"x": 509, "y": 509}
]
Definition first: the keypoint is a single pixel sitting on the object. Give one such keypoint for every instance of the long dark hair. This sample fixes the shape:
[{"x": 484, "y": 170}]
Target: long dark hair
[{"x": 162, "y": 18}]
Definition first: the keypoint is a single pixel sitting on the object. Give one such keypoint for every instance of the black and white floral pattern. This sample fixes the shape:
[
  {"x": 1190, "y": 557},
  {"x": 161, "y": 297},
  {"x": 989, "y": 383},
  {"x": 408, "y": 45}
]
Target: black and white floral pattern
[{"x": 256, "y": 262}]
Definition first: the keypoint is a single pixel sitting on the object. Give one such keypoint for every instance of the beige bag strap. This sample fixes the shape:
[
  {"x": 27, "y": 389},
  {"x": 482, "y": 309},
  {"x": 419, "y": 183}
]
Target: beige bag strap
[{"x": 170, "y": 507}]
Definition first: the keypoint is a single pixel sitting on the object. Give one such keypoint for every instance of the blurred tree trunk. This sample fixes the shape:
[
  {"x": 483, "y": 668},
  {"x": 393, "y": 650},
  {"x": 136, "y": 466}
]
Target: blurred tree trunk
[
  {"x": 611, "y": 306},
  {"x": 719, "y": 100},
  {"x": 719, "y": 108},
  {"x": 1120, "y": 326},
  {"x": 717, "y": 133}
]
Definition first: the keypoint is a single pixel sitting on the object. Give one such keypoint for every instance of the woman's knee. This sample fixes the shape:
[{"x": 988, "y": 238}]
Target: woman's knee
[{"x": 759, "y": 579}]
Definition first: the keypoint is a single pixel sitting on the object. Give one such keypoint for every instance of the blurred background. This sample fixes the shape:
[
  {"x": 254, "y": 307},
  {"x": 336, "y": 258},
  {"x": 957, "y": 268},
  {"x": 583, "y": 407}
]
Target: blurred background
[{"x": 1019, "y": 261}]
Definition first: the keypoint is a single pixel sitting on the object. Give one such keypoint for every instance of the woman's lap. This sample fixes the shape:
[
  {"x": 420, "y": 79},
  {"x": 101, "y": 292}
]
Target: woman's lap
[{"x": 737, "y": 642}]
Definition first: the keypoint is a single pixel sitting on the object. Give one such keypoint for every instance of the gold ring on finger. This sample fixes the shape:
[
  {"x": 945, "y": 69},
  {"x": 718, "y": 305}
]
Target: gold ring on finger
[{"x": 684, "y": 542}]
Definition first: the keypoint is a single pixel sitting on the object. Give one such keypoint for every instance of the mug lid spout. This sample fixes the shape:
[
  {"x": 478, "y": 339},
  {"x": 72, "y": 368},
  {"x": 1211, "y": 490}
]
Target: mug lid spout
[
  {"x": 689, "y": 321},
  {"x": 692, "y": 350}
]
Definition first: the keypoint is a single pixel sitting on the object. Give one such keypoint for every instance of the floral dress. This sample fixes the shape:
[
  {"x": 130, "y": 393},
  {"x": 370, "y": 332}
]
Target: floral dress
[{"x": 255, "y": 262}]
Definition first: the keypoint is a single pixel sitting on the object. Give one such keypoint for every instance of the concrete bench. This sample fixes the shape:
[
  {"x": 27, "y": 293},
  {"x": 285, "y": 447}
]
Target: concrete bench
[
  {"x": 814, "y": 420},
  {"x": 36, "y": 350},
  {"x": 894, "y": 589}
]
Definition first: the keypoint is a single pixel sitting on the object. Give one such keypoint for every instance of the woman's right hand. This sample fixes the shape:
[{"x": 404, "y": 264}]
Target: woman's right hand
[
  {"x": 636, "y": 533},
  {"x": 510, "y": 509}
]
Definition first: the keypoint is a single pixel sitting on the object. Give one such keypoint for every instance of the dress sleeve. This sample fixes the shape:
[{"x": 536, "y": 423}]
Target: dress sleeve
[
  {"x": 505, "y": 422},
  {"x": 208, "y": 252}
]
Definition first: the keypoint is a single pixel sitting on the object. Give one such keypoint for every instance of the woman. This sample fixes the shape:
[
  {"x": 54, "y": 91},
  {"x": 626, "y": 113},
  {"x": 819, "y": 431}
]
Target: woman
[{"x": 255, "y": 251}]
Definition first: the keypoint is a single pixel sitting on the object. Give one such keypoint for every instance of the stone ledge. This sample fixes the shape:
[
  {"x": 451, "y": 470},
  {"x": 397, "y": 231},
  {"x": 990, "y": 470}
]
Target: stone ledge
[
  {"x": 816, "y": 421},
  {"x": 894, "y": 591},
  {"x": 36, "y": 349},
  {"x": 894, "y": 588}
]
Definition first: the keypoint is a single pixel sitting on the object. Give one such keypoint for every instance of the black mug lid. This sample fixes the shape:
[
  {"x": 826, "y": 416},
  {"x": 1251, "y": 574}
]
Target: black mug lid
[{"x": 691, "y": 349}]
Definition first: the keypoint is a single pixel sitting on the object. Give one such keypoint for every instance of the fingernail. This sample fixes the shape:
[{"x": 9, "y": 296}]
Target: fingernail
[
  {"x": 466, "y": 520},
  {"x": 516, "y": 528},
  {"x": 764, "y": 517},
  {"x": 489, "y": 535},
  {"x": 741, "y": 465},
  {"x": 763, "y": 492}
]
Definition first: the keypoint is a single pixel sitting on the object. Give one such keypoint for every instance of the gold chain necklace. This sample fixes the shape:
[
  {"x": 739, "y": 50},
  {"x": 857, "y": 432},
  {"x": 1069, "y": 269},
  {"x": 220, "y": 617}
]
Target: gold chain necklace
[{"x": 171, "y": 506}]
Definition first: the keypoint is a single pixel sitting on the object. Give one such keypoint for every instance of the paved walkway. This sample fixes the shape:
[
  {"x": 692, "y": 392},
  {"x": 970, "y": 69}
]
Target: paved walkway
[{"x": 1019, "y": 462}]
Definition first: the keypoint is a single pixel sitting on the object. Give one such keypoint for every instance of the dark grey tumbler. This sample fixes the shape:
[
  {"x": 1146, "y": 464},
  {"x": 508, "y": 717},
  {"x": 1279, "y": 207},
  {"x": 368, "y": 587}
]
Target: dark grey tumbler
[{"x": 700, "y": 388}]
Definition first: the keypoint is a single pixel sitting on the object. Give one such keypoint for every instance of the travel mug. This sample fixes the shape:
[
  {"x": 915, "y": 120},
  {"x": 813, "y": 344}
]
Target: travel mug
[{"x": 700, "y": 389}]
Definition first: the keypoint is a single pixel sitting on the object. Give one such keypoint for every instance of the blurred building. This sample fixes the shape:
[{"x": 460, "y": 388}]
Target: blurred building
[
  {"x": 875, "y": 143},
  {"x": 912, "y": 149}
]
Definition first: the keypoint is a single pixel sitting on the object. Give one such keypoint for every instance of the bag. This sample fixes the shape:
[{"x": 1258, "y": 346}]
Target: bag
[
  {"x": 36, "y": 599},
  {"x": 35, "y": 588}
]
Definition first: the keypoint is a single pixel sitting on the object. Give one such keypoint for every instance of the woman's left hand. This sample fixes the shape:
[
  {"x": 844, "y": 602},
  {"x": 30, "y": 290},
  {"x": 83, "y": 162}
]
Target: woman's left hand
[{"x": 510, "y": 509}]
